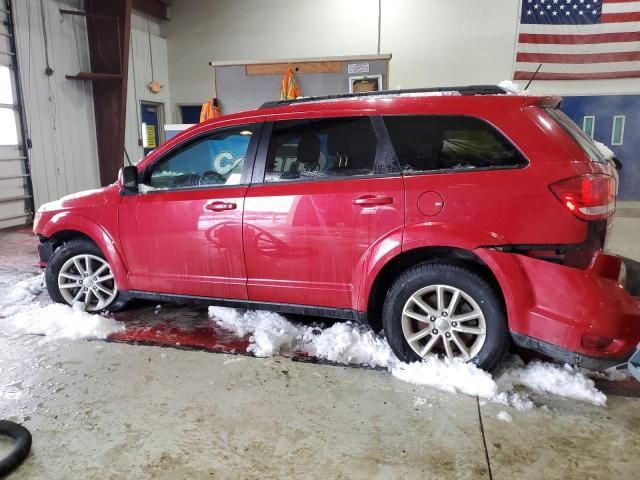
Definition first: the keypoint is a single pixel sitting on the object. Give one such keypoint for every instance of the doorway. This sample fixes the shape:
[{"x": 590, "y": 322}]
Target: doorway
[{"x": 152, "y": 119}]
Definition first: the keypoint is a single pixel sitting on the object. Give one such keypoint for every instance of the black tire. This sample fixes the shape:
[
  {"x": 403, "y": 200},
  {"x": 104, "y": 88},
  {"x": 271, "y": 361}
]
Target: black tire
[
  {"x": 497, "y": 338},
  {"x": 20, "y": 449},
  {"x": 77, "y": 246}
]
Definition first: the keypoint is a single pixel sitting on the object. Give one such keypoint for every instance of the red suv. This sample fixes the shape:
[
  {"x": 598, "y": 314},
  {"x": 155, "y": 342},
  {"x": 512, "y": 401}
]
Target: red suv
[{"x": 457, "y": 219}]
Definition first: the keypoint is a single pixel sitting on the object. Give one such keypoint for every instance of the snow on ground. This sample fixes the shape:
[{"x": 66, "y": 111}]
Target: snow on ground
[
  {"x": 418, "y": 401},
  {"x": 453, "y": 377},
  {"x": 20, "y": 313},
  {"x": 504, "y": 416},
  {"x": 343, "y": 342},
  {"x": 347, "y": 343}
]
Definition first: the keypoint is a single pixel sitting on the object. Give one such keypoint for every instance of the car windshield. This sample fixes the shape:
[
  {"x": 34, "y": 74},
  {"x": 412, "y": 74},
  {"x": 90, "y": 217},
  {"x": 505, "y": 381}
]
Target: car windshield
[{"x": 582, "y": 139}]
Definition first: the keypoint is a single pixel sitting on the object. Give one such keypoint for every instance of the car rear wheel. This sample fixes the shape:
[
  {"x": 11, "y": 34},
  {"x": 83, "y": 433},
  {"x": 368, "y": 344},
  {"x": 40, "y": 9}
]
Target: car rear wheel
[
  {"x": 448, "y": 310},
  {"x": 78, "y": 272}
]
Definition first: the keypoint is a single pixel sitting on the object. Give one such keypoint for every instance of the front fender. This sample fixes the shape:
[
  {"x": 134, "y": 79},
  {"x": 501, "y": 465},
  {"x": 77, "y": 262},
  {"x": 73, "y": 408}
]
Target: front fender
[{"x": 67, "y": 221}]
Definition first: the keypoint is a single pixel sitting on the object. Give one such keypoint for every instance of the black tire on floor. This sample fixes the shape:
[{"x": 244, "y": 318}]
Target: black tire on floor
[
  {"x": 445, "y": 273},
  {"x": 76, "y": 246},
  {"x": 20, "y": 449}
]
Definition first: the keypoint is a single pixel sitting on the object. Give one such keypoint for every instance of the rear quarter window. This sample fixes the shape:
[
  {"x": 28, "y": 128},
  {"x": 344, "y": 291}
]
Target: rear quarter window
[
  {"x": 582, "y": 139},
  {"x": 431, "y": 143}
]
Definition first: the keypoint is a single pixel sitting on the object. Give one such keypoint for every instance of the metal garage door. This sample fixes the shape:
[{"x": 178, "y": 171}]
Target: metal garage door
[{"x": 16, "y": 204}]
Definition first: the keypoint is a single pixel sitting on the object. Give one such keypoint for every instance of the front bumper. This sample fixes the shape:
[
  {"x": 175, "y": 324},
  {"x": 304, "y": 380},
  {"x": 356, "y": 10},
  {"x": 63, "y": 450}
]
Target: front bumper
[{"x": 577, "y": 316}]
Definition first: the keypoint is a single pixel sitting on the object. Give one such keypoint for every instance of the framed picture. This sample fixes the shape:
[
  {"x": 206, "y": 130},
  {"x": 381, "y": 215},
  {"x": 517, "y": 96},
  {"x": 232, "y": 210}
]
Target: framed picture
[{"x": 365, "y": 83}]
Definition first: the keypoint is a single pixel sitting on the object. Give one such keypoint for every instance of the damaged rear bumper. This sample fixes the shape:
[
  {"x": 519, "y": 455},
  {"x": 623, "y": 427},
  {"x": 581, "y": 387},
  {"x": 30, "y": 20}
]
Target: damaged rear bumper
[{"x": 579, "y": 316}]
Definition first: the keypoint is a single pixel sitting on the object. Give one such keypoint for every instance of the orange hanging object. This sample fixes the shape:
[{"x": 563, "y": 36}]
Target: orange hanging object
[
  {"x": 289, "y": 89},
  {"x": 209, "y": 110}
]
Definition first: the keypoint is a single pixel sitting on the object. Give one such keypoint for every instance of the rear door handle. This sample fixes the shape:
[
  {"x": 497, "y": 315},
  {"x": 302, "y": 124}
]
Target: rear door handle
[
  {"x": 373, "y": 200},
  {"x": 220, "y": 206}
]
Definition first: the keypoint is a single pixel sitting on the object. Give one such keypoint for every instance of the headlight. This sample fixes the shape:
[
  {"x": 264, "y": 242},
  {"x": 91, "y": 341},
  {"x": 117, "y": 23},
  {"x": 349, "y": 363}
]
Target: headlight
[
  {"x": 622, "y": 277},
  {"x": 36, "y": 220}
]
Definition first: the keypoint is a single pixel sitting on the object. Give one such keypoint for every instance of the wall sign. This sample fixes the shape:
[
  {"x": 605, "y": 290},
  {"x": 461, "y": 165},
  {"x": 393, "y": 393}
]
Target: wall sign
[{"x": 358, "y": 68}]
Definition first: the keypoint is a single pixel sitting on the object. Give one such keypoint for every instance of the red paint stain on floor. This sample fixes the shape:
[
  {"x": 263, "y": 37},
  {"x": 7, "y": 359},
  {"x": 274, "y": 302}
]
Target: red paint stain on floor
[{"x": 203, "y": 337}]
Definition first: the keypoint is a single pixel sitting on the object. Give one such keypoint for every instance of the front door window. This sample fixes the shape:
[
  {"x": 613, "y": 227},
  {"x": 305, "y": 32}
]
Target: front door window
[{"x": 216, "y": 159}]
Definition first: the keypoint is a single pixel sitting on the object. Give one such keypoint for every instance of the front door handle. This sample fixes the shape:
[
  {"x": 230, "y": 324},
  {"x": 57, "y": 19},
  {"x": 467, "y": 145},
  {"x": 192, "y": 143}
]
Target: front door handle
[
  {"x": 220, "y": 206},
  {"x": 373, "y": 200}
]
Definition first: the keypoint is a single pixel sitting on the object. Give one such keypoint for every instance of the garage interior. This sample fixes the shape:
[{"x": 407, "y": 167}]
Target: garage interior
[{"x": 170, "y": 390}]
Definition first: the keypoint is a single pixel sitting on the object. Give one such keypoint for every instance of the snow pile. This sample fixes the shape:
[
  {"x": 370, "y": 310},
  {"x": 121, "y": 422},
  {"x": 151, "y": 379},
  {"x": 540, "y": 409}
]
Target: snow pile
[
  {"x": 21, "y": 314},
  {"x": 272, "y": 334},
  {"x": 347, "y": 343},
  {"x": 58, "y": 321},
  {"x": 449, "y": 376},
  {"x": 512, "y": 88},
  {"x": 23, "y": 293},
  {"x": 565, "y": 381},
  {"x": 605, "y": 151}
]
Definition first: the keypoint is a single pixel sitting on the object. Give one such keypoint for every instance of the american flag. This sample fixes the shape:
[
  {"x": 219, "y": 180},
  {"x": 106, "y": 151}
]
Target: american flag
[{"x": 578, "y": 39}]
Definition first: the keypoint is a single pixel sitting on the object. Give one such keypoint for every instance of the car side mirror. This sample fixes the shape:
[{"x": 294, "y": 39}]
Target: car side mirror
[{"x": 130, "y": 178}]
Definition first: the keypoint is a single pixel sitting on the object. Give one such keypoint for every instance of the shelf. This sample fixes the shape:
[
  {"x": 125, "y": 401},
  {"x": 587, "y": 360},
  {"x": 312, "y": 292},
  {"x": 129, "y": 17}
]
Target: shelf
[{"x": 96, "y": 77}]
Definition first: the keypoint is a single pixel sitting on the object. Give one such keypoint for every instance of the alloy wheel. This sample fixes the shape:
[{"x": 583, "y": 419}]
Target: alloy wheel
[
  {"x": 88, "y": 279},
  {"x": 442, "y": 319}
]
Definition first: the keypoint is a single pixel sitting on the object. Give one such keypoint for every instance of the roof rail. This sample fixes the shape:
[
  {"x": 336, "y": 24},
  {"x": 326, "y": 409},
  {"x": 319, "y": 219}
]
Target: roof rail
[{"x": 465, "y": 90}]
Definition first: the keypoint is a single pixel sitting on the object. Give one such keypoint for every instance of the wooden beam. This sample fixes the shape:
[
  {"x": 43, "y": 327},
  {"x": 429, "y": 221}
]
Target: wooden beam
[
  {"x": 109, "y": 52},
  {"x": 154, "y": 8},
  {"x": 303, "y": 67}
]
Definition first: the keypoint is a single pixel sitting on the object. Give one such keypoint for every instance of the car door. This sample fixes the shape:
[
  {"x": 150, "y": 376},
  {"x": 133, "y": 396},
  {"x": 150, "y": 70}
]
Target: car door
[
  {"x": 182, "y": 234},
  {"x": 321, "y": 197}
]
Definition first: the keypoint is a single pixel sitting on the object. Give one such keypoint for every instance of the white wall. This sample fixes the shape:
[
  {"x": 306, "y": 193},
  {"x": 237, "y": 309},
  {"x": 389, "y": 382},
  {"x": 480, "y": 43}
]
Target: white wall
[
  {"x": 203, "y": 30},
  {"x": 433, "y": 42},
  {"x": 60, "y": 118},
  {"x": 140, "y": 74}
]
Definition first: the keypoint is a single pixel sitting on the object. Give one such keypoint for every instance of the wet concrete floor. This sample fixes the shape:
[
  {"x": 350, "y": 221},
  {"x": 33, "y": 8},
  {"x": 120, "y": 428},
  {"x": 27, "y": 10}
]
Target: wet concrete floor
[{"x": 114, "y": 410}]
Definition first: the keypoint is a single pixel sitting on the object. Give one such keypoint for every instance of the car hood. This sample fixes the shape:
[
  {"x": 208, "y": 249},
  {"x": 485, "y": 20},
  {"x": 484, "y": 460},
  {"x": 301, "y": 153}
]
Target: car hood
[{"x": 86, "y": 198}]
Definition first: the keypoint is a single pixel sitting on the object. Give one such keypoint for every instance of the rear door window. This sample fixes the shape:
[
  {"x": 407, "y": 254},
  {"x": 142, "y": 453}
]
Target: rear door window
[
  {"x": 430, "y": 143},
  {"x": 321, "y": 148}
]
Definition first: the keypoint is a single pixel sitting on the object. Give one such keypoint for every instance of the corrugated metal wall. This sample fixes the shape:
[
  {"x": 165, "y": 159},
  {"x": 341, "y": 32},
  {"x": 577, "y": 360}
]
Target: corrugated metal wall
[
  {"x": 59, "y": 112},
  {"x": 140, "y": 75}
]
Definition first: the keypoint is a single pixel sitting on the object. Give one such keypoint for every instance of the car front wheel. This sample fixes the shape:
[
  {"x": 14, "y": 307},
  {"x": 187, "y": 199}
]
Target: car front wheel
[
  {"x": 448, "y": 310},
  {"x": 78, "y": 272}
]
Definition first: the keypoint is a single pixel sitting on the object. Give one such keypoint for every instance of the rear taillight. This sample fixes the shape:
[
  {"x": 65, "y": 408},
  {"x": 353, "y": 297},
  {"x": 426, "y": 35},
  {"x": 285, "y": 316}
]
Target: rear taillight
[{"x": 589, "y": 196}]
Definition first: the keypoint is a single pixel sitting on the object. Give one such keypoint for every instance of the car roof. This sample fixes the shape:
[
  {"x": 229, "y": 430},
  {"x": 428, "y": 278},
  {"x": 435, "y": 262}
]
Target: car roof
[
  {"x": 461, "y": 90},
  {"x": 387, "y": 101}
]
